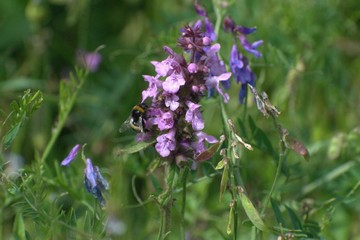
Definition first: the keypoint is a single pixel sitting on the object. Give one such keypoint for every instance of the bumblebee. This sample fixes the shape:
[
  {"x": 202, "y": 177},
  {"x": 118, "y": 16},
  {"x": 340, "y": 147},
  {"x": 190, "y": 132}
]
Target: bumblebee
[{"x": 136, "y": 120}]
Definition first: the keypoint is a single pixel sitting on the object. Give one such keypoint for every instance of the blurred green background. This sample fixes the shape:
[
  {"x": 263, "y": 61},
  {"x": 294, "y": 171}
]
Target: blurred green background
[{"x": 310, "y": 70}]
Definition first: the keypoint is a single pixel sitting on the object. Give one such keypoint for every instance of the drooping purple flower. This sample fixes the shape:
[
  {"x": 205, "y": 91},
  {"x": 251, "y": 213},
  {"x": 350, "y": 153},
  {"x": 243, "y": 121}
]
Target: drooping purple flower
[
  {"x": 251, "y": 48},
  {"x": 74, "y": 151},
  {"x": 214, "y": 82},
  {"x": 166, "y": 143},
  {"x": 95, "y": 183},
  {"x": 173, "y": 82},
  {"x": 215, "y": 65},
  {"x": 153, "y": 89},
  {"x": 209, "y": 30},
  {"x": 200, "y": 10},
  {"x": 244, "y": 30},
  {"x": 101, "y": 181},
  {"x": 230, "y": 25},
  {"x": 90, "y": 60},
  {"x": 90, "y": 177},
  {"x": 242, "y": 72},
  {"x": 165, "y": 121},
  {"x": 199, "y": 145},
  {"x": 193, "y": 116},
  {"x": 172, "y": 101}
]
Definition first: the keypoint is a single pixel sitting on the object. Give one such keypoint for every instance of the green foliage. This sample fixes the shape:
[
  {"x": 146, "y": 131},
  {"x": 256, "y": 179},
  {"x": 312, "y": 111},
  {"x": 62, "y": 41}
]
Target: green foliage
[
  {"x": 310, "y": 70},
  {"x": 21, "y": 111}
]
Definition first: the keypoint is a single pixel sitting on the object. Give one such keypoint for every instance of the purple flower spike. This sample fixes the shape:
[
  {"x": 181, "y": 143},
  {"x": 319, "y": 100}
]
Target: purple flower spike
[
  {"x": 166, "y": 143},
  {"x": 173, "y": 82},
  {"x": 193, "y": 116},
  {"x": 74, "y": 151}
]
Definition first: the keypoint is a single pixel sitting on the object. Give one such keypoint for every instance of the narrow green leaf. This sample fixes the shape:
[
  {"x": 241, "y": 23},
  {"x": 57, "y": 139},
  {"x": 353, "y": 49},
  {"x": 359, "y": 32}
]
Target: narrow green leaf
[
  {"x": 294, "y": 219},
  {"x": 298, "y": 234},
  {"x": 278, "y": 215},
  {"x": 136, "y": 147},
  {"x": 173, "y": 176},
  {"x": 154, "y": 164},
  {"x": 11, "y": 135},
  {"x": 251, "y": 212},
  {"x": 155, "y": 182},
  {"x": 22, "y": 109},
  {"x": 224, "y": 181}
]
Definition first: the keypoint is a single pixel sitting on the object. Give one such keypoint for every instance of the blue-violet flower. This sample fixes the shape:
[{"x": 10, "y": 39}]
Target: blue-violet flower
[{"x": 74, "y": 151}]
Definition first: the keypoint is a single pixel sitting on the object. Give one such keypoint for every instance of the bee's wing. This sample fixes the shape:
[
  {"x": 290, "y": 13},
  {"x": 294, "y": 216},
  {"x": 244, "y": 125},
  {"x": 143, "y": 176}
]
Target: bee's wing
[
  {"x": 125, "y": 126},
  {"x": 141, "y": 124}
]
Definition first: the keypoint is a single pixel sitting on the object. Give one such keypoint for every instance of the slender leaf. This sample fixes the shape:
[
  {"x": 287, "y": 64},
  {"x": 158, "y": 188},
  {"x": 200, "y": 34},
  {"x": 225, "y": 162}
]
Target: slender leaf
[
  {"x": 278, "y": 215},
  {"x": 137, "y": 147},
  {"x": 224, "y": 181},
  {"x": 294, "y": 219},
  {"x": 251, "y": 212}
]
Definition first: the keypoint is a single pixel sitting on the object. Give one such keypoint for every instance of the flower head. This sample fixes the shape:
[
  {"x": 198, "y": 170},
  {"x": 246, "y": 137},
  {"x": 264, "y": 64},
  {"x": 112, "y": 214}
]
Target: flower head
[{"x": 174, "y": 116}]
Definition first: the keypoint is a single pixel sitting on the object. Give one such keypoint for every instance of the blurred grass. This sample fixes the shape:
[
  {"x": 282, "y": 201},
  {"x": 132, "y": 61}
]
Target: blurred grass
[{"x": 310, "y": 70}]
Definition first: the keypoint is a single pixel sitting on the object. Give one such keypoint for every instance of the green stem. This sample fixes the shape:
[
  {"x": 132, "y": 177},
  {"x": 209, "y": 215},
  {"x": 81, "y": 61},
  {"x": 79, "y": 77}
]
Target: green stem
[
  {"x": 62, "y": 119},
  {"x": 183, "y": 203},
  {"x": 165, "y": 200},
  {"x": 218, "y": 17},
  {"x": 278, "y": 172}
]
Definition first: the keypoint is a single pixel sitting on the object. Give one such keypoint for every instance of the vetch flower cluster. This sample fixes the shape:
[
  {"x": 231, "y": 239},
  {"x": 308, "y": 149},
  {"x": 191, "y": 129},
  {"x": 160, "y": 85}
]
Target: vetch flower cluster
[
  {"x": 181, "y": 81},
  {"x": 239, "y": 63},
  {"x": 95, "y": 183}
]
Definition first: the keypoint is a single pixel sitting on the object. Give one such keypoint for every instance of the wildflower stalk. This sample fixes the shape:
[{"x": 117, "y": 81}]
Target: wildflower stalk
[
  {"x": 165, "y": 200},
  {"x": 67, "y": 102},
  {"x": 219, "y": 15},
  {"x": 235, "y": 177},
  {"x": 183, "y": 202},
  {"x": 279, "y": 166}
]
